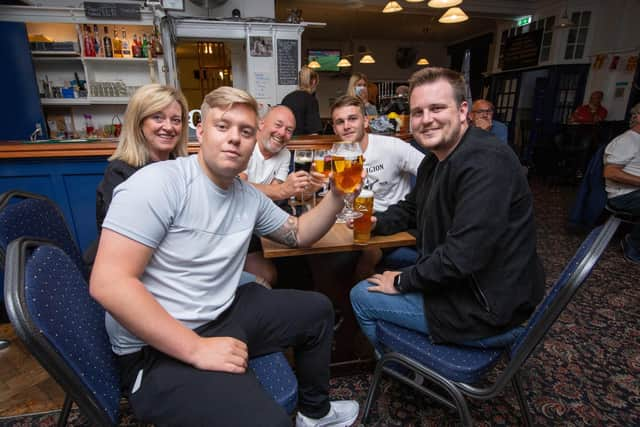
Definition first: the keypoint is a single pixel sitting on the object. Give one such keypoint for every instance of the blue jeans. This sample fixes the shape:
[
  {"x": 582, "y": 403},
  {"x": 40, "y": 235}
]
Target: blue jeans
[
  {"x": 246, "y": 277},
  {"x": 630, "y": 202},
  {"x": 400, "y": 257},
  {"x": 407, "y": 310}
]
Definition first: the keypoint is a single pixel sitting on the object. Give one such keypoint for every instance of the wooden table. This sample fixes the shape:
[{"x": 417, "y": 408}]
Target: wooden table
[
  {"x": 338, "y": 239},
  {"x": 330, "y": 263}
]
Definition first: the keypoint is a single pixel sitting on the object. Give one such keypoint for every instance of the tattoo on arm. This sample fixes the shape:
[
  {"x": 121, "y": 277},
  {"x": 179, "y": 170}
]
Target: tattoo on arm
[{"x": 287, "y": 234}]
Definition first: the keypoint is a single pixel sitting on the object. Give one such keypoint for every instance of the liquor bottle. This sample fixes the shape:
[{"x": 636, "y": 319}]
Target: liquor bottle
[
  {"x": 97, "y": 42},
  {"x": 117, "y": 45},
  {"x": 135, "y": 47},
  {"x": 145, "y": 47},
  {"x": 155, "y": 41},
  {"x": 89, "y": 46},
  {"x": 106, "y": 42},
  {"x": 126, "y": 46}
]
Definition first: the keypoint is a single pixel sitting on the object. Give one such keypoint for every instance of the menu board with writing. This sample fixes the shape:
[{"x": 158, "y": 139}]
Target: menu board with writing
[
  {"x": 522, "y": 50},
  {"x": 287, "y": 62},
  {"x": 111, "y": 10}
]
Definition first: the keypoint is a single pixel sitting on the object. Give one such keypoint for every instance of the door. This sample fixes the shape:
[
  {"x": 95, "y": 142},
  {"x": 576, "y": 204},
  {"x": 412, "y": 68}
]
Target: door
[{"x": 21, "y": 99}]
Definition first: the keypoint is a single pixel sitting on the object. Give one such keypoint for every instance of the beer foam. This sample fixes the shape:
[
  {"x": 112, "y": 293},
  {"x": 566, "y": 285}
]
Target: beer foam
[{"x": 365, "y": 193}]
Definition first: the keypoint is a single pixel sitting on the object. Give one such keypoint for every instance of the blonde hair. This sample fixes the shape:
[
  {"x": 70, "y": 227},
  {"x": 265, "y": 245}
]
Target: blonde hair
[
  {"x": 225, "y": 97},
  {"x": 307, "y": 79},
  {"x": 149, "y": 99},
  {"x": 353, "y": 80}
]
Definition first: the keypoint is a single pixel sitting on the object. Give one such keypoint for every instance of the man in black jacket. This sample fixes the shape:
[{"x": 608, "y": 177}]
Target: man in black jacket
[{"x": 478, "y": 276}]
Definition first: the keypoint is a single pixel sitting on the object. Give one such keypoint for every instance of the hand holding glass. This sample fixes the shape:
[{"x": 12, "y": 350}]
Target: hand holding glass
[{"x": 322, "y": 164}]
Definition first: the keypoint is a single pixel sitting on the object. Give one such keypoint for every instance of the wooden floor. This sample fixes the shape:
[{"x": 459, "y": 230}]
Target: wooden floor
[{"x": 24, "y": 386}]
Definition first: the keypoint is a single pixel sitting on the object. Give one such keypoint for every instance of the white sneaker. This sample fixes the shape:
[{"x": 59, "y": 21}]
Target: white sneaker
[{"x": 342, "y": 413}]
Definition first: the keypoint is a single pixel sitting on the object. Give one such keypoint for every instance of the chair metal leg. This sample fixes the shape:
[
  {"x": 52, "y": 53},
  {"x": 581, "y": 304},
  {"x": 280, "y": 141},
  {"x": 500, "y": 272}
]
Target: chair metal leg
[
  {"x": 372, "y": 391},
  {"x": 4, "y": 344},
  {"x": 66, "y": 409},
  {"x": 524, "y": 407}
]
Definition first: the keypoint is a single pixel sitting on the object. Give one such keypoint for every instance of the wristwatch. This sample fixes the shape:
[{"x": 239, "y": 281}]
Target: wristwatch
[{"x": 396, "y": 283}]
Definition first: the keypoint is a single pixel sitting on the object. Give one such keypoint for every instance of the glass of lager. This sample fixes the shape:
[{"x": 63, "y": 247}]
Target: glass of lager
[
  {"x": 347, "y": 163},
  {"x": 362, "y": 225},
  {"x": 322, "y": 164}
]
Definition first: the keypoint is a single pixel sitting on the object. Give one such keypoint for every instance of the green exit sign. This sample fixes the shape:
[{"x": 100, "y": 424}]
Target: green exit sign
[{"x": 526, "y": 20}]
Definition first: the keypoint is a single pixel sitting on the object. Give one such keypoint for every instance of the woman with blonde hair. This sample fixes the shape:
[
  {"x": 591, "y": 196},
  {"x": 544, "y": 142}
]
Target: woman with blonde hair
[
  {"x": 304, "y": 104},
  {"x": 154, "y": 129},
  {"x": 358, "y": 87}
]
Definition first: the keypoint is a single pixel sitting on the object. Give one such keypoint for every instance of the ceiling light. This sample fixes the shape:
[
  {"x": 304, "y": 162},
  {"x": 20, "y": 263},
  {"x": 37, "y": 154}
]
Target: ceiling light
[
  {"x": 314, "y": 64},
  {"x": 391, "y": 7},
  {"x": 439, "y": 4},
  {"x": 344, "y": 62},
  {"x": 564, "y": 21},
  {"x": 453, "y": 16},
  {"x": 367, "y": 59},
  {"x": 422, "y": 61}
]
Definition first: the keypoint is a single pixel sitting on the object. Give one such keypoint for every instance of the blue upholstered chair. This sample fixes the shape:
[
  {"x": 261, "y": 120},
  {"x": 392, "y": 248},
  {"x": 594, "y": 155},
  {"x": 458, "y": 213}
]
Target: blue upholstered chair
[
  {"x": 458, "y": 369},
  {"x": 23, "y": 213},
  {"x": 49, "y": 305}
]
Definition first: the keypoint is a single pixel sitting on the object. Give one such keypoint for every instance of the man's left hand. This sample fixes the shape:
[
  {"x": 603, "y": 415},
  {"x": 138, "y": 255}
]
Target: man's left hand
[{"x": 383, "y": 283}]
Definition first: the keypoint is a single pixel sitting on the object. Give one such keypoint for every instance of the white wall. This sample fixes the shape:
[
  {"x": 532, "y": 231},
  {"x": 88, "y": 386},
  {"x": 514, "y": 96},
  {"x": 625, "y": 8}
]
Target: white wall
[
  {"x": 247, "y": 8},
  {"x": 385, "y": 68}
]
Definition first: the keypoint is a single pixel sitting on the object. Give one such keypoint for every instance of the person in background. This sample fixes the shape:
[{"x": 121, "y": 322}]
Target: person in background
[
  {"x": 268, "y": 171},
  {"x": 358, "y": 87},
  {"x": 390, "y": 164},
  {"x": 155, "y": 129},
  {"x": 622, "y": 180},
  {"x": 481, "y": 116},
  {"x": 304, "y": 104},
  {"x": 478, "y": 276},
  {"x": 167, "y": 269},
  {"x": 590, "y": 113}
]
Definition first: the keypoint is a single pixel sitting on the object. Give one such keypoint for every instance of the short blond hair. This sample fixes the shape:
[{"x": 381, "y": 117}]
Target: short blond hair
[
  {"x": 149, "y": 99},
  {"x": 432, "y": 74},
  {"x": 226, "y": 97},
  {"x": 307, "y": 79},
  {"x": 351, "y": 87}
]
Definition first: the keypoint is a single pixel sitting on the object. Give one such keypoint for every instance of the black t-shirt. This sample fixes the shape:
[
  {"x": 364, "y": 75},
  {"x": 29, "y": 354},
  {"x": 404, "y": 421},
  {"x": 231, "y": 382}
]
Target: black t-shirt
[{"x": 305, "y": 108}]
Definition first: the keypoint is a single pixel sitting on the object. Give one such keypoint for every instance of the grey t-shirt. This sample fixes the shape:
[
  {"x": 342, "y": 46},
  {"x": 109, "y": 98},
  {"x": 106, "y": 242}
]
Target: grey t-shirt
[{"x": 200, "y": 234}]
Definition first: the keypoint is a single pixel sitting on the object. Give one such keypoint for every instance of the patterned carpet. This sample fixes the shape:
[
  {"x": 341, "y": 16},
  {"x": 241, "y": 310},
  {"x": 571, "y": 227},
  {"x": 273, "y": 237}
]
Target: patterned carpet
[{"x": 586, "y": 372}]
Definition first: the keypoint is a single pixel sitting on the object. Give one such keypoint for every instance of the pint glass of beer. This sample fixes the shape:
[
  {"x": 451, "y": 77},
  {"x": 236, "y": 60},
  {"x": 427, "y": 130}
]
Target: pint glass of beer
[
  {"x": 362, "y": 225},
  {"x": 347, "y": 163}
]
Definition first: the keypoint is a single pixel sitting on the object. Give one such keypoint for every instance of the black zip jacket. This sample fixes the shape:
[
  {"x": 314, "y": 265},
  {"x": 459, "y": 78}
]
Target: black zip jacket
[{"x": 477, "y": 265}]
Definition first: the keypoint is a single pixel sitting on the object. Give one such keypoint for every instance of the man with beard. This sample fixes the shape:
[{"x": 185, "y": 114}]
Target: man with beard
[{"x": 478, "y": 276}]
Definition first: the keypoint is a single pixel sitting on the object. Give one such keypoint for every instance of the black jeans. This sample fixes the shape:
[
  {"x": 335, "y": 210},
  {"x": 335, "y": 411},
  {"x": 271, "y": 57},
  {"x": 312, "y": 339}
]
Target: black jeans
[
  {"x": 173, "y": 393},
  {"x": 630, "y": 202}
]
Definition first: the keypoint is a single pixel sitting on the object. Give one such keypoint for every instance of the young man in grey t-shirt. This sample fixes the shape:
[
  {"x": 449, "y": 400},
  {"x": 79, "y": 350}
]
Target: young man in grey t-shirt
[{"x": 167, "y": 270}]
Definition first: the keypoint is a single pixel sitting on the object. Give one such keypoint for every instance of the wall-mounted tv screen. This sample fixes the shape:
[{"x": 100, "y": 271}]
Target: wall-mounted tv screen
[{"x": 328, "y": 58}]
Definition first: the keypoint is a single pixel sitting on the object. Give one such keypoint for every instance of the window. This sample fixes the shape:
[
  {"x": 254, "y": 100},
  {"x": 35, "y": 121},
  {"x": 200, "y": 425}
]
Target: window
[
  {"x": 566, "y": 97},
  {"x": 547, "y": 37},
  {"x": 506, "y": 98},
  {"x": 577, "y": 35}
]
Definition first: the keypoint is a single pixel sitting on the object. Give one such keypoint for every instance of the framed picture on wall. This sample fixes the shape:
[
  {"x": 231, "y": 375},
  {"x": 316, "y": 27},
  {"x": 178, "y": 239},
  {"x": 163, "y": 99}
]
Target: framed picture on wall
[
  {"x": 260, "y": 46},
  {"x": 173, "y": 4}
]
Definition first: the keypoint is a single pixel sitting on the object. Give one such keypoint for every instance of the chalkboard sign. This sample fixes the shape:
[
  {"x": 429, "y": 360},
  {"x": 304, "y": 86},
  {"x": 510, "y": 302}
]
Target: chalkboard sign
[
  {"x": 287, "y": 62},
  {"x": 522, "y": 50},
  {"x": 112, "y": 11}
]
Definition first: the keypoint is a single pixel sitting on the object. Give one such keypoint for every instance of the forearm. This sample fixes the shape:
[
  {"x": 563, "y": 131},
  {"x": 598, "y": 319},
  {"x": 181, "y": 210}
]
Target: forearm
[
  {"x": 615, "y": 173},
  {"x": 315, "y": 223},
  {"x": 129, "y": 302},
  {"x": 274, "y": 191}
]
